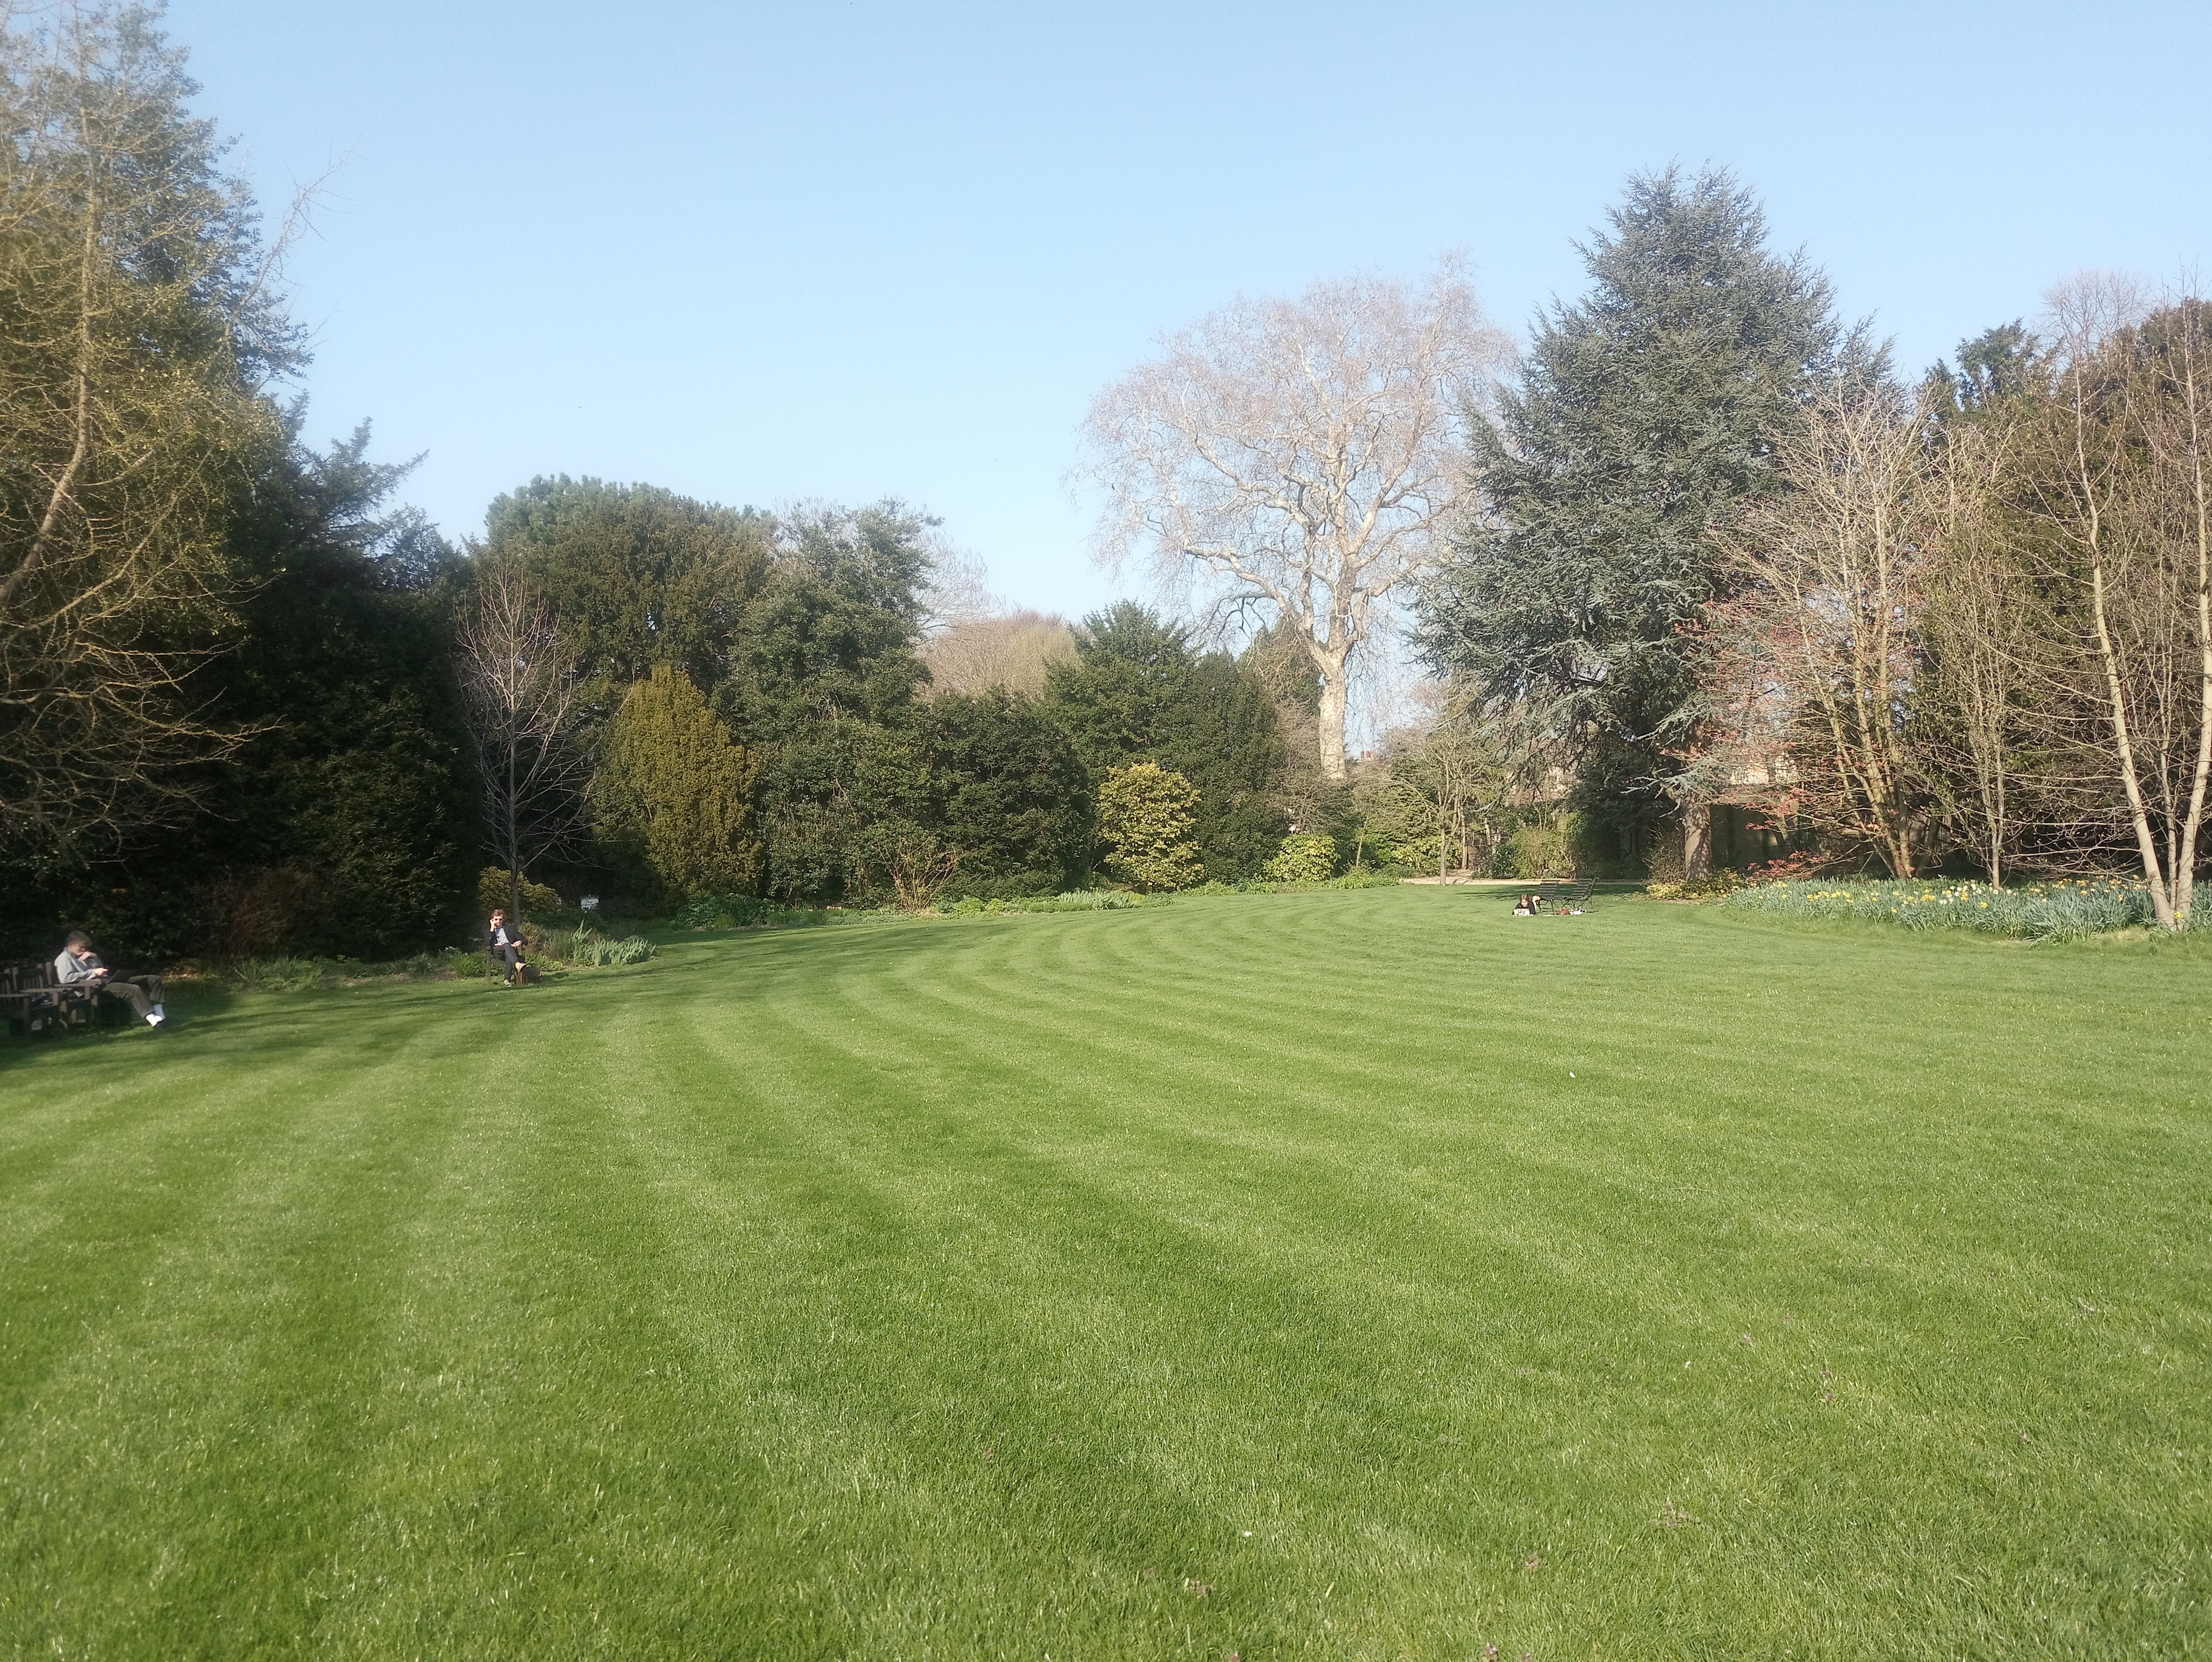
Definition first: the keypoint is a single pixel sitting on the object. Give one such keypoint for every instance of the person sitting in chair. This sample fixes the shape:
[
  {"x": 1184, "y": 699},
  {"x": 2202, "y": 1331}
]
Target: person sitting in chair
[
  {"x": 80, "y": 966},
  {"x": 506, "y": 945}
]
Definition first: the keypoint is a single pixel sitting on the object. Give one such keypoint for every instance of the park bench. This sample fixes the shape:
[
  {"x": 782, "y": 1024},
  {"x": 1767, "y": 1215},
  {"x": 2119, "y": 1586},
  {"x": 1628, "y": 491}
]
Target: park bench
[
  {"x": 35, "y": 1001},
  {"x": 1573, "y": 894}
]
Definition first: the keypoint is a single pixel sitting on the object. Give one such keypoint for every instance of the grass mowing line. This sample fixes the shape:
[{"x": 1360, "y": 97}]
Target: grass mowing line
[
  {"x": 894, "y": 1500},
  {"x": 220, "y": 1383},
  {"x": 1000, "y": 1258},
  {"x": 1420, "y": 1315}
]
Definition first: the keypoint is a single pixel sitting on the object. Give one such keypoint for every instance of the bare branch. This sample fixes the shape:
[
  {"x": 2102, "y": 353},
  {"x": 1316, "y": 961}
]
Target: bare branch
[{"x": 1305, "y": 454}]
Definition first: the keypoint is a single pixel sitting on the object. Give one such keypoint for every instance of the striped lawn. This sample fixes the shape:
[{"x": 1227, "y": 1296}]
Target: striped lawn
[{"x": 1341, "y": 1275}]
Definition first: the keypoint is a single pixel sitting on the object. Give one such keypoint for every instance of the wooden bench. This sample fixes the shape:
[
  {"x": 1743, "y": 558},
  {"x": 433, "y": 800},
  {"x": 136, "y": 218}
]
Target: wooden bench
[
  {"x": 34, "y": 1001},
  {"x": 1573, "y": 895}
]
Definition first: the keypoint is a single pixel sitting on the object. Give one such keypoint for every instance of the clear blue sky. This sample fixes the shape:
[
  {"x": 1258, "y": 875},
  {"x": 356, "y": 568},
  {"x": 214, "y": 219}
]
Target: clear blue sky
[{"x": 766, "y": 253}]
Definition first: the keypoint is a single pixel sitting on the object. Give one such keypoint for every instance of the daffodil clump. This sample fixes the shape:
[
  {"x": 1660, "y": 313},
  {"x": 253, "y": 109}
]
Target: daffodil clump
[{"x": 2062, "y": 909}]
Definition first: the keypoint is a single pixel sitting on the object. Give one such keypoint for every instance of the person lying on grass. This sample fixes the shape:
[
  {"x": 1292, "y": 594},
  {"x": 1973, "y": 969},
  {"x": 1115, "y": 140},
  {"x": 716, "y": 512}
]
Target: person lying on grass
[
  {"x": 507, "y": 943},
  {"x": 80, "y": 966}
]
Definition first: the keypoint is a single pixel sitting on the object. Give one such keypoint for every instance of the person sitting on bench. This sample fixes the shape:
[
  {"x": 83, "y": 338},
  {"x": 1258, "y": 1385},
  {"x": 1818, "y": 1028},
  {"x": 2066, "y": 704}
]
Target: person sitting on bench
[
  {"x": 507, "y": 944},
  {"x": 80, "y": 966}
]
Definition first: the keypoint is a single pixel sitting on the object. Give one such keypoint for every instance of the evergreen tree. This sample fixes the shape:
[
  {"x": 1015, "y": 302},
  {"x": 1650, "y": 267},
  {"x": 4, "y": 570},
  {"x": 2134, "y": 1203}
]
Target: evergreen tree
[
  {"x": 674, "y": 795},
  {"x": 347, "y": 824},
  {"x": 1136, "y": 690},
  {"x": 825, "y": 668},
  {"x": 1646, "y": 411},
  {"x": 639, "y": 576},
  {"x": 1010, "y": 795},
  {"x": 1995, "y": 367}
]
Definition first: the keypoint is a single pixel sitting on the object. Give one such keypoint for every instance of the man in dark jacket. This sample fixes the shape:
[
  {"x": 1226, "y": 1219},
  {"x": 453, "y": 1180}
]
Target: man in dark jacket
[
  {"x": 506, "y": 945},
  {"x": 79, "y": 966}
]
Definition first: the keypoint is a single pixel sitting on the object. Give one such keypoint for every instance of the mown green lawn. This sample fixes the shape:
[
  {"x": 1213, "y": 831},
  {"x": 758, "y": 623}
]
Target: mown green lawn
[{"x": 1341, "y": 1275}]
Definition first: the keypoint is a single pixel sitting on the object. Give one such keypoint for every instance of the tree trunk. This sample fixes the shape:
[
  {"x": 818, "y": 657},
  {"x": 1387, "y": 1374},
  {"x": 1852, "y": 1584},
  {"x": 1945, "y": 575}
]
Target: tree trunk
[
  {"x": 1697, "y": 842},
  {"x": 2184, "y": 893},
  {"x": 2161, "y": 895},
  {"x": 1332, "y": 720},
  {"x": 513, "y": 851}
]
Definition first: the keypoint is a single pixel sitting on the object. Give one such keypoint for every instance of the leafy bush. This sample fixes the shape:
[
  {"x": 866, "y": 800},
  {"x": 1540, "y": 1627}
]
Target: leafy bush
[
  {"x": 491, "y": 893},
  {"x": 469, "y": 964},
  {"x": 2063, "y": 910},
  {"x": 557, "y": 945},
  {"x": 256, "y": 913},
  {"x": 1716, "y": 886},
  {"x": 1307, "y": 858},
  {"x": 1145, "y": 813},
  {"x": 1545, "y": 849},
  {"x": 1363, "y": 878}
]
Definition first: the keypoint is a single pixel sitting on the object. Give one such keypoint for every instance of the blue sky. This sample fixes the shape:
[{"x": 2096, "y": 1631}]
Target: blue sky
[{"x": 848, "y": 250}]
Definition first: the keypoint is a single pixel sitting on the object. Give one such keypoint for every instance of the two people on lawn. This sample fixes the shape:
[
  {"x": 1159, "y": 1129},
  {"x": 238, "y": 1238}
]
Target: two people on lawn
[
  {"x": 80, "y": 966},
  {"x": 506, "y": 945}
]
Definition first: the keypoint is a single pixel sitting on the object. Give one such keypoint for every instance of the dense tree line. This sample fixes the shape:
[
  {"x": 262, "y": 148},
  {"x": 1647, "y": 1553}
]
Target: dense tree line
[
  {"x": 804, "y": 641},
  {"x": 1703, "y": 549},
  {"x": 253, "y": 705}
]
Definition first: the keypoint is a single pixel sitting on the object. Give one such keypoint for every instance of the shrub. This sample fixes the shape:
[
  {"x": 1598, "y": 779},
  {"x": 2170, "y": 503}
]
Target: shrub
[
  {"x": 261, "y": 912},
  {"x": 1081, "y": 899},
  {"x": 1363, "y": 878},
  {"x": 1663, "y": 863},
  {"x": 1545, "y": 849},
  {"x": 2061, "y": 910},
  {"x": 1308, "y": 859},
  {"x": 491, "y": 893},
  {"x": 1717, "y": 885},
  {"x": 1145, "y": 818},
  {"x": 741, "y": 911},
  {"x": 591, "y": 950}
]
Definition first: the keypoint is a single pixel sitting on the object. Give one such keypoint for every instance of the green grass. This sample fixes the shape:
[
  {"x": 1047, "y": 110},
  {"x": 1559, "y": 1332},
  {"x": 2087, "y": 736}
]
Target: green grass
[{"x": 1665, "y": 1282}]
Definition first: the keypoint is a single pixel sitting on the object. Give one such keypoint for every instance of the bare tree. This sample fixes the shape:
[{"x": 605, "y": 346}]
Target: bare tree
[
  {"x": 140, "y": 328},
  {"x": 1011, "y": 650},
  {"x": 1985, "y": 640},
  {"x": 1302, "y": 457},
  {"x": 525, "y": 700},
  {"x": 2123, "y": 496},
  {"x": 1830, "y": 568}
]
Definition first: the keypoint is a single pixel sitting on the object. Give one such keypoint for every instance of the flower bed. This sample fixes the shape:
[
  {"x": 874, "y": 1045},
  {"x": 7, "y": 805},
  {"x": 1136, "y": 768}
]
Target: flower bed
[{"x": 2065, "y": 909}]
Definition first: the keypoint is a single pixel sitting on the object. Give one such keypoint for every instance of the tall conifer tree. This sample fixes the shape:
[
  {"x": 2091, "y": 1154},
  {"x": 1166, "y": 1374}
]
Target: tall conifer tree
[
  {"x": 675, "y": 795},
  {"x": 1645, "y": 411}
]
